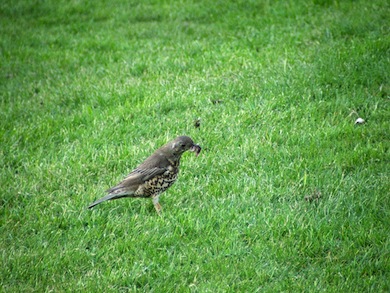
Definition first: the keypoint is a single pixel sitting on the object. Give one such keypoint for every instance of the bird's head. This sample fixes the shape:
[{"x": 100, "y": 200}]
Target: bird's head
[{"x": 183, "y": 143}]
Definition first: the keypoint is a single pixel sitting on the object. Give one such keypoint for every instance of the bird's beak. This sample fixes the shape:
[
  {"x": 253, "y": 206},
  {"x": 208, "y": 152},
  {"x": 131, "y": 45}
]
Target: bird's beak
[{"x": 196, "y": 149}]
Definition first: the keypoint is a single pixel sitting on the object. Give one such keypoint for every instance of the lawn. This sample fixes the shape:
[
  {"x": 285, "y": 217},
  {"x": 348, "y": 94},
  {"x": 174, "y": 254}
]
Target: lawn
[{"x": 288, "y": 194}]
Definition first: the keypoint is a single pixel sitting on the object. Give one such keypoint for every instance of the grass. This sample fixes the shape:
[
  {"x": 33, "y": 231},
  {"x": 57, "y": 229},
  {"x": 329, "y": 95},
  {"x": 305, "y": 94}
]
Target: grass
[{"x": 288, "y": 194}]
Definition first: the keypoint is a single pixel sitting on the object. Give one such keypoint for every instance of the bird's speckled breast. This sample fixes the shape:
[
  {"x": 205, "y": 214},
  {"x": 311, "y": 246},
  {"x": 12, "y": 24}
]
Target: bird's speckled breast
[{"x": 158, "y": 184}]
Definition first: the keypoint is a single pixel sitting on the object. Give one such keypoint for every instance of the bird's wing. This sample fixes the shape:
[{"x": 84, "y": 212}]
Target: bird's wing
[
  {"x": 153, "y": 166},
  {"x": 137, "y": 177},
  {"x": 147, "y": 174}
]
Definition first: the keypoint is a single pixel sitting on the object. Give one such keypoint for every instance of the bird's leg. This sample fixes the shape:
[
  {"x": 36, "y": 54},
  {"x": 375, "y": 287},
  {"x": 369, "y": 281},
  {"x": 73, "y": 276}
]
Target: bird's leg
[{"x": 156, "y": 204}]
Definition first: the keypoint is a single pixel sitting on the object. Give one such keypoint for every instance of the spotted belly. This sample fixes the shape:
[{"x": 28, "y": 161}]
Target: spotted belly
[{"x": 157, "y": 184}]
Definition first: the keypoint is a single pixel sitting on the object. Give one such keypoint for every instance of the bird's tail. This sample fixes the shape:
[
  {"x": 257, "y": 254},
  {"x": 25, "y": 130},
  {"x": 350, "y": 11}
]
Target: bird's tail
[{"x": 107, "y": 197}]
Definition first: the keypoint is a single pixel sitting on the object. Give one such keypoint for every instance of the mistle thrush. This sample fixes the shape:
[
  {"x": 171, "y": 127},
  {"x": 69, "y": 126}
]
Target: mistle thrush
[{"x": 155, "y": 175}]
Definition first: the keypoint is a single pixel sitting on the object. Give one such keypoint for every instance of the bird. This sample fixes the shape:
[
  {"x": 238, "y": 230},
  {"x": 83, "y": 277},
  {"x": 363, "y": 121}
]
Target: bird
[{"x": 155, "y": 175}]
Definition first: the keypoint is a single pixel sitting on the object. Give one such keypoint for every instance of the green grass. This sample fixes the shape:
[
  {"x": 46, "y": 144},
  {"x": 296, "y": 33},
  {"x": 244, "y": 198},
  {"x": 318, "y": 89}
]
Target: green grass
[{"x": 288, "y": 194}]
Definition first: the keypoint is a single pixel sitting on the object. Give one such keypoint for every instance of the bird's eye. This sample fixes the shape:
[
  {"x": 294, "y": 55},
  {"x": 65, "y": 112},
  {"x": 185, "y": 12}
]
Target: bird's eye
[{"x": 183, "y": 145}]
